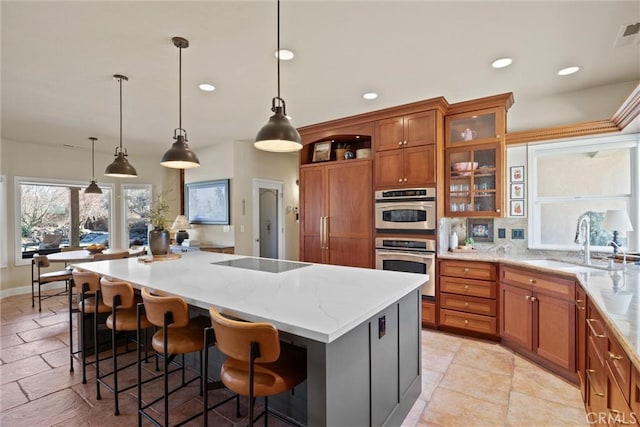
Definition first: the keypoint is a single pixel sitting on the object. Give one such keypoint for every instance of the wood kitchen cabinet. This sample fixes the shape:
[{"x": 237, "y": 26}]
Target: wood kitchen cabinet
[
  {"x": 581, "y": 338},
  {"x": 336, "y": 204},
  {"x": 475, "y": 127},
  {"x": 467, "y": 296},
  {"x": 538, "y": 317},
  {"x": 406, "y": 150}
]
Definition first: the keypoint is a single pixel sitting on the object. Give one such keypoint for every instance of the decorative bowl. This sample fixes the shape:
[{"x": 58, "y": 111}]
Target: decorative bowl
[
  {"x": 363, "y": 153},
  {"x": 464, "y": 166},
  {"x": 95, "y": 249}
]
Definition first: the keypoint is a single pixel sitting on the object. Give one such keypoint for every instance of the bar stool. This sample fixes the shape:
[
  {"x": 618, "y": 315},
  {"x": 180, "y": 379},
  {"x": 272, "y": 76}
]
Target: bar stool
[
  {"x": 257, "y": 364},
  {"x": 37, "y": 264},
  {"x": 119, "y": 296},
  {"x": 178, "y": 335},
  {"x": 88, "y": 304}
]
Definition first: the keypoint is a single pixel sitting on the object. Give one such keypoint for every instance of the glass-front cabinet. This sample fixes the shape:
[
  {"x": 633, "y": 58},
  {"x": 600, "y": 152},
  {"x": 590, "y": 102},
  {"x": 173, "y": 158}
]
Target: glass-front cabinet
[
  {"x": 474, "y": 181},
  {"x": 478, "y": 127}
]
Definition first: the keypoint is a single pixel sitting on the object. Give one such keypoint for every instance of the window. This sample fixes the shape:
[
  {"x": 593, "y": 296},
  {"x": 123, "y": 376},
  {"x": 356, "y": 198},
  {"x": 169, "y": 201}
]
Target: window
[
  {"x": 590, "y": 176},
  {"x": 52, "y": 214},
  {"x": 136, "y": 205}
]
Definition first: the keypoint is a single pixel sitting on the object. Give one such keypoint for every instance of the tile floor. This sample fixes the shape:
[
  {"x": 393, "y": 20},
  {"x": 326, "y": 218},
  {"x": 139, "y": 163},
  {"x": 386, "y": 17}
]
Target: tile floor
[{"x": 464, "y": 381}]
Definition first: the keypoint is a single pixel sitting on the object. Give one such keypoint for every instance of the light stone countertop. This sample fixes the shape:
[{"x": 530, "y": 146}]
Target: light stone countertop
[
  {"x": 615, "y": 293},
  {"x": 318, "y": 302}
]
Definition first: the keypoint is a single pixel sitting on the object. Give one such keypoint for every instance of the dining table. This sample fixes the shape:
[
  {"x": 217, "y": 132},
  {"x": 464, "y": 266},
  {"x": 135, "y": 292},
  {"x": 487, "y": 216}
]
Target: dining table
[{"x": 83, "y": 255}]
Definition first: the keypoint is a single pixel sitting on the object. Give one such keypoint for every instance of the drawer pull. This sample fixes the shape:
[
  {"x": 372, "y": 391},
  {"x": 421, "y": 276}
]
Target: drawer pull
[
  {"x": 618, "y": 417},
  {"x": 466, "y": 304},
  {"x": 466, "y": 321},
  {"x": 466, "y": 270},
  {"x": 593, "y": 330},
  {"x": 578, "y": 302},
  {"x": 466, "y": 287},
  {"x": 614, "y": 357},
  {"x": 533, "y": 299},
  {"x": 597, "y": 393},
  {"x": 532, "y": 281}
]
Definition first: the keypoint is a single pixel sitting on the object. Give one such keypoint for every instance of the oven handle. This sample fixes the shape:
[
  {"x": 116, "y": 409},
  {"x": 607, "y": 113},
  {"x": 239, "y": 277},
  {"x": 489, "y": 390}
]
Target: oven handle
[
  {"x": 422, "y": 255},
  {"x": 396, "y": 206}
]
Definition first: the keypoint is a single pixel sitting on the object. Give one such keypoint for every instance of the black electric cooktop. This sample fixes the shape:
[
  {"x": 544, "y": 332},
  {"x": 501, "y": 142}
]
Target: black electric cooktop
[{"x": 262, "y": 264}]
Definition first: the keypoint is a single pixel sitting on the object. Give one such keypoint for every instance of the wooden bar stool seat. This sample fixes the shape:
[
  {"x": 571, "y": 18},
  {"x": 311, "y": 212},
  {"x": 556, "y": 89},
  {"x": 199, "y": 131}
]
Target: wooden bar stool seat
[
  {"x": 38, "y": 277},
  {"x": 257, "y": 364}
]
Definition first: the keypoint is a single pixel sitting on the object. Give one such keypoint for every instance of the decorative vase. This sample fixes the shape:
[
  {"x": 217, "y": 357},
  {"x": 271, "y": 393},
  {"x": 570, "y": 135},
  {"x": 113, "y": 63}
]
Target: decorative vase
[
  {"x": 340, "y": 152},
  {"x": 453, "y": 240},
  {"x": 159, "y": 241}
]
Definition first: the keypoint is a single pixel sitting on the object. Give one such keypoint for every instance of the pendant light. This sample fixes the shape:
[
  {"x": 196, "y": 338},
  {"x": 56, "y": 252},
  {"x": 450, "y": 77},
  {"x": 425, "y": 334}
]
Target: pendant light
[
  {"x": 93, "y": 187},
  {"x": 121, "y": 168},
  {"x": 180, "y": 156},
  {"x": 278, "y": 134}
]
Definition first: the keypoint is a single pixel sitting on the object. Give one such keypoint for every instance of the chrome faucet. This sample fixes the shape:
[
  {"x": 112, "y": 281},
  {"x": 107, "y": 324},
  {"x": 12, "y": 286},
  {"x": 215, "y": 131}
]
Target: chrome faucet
[{"x": 583, "y": 238}]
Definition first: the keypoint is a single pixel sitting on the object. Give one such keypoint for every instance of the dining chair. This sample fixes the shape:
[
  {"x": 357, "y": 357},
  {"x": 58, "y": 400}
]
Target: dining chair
[
  {"x": 258, "y": 364},
  {"x": 41, "y": 278}
]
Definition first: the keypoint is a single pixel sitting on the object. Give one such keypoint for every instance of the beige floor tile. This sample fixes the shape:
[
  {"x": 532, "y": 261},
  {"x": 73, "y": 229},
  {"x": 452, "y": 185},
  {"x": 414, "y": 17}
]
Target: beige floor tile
[
  {"x": 451, "y": 408},
  {"x": 60, "y": 407},
  {"x": 22, "y": 351},
  {"x": 436, "y": 359},
  {"x": 535, "y": 382},
  {"x": 11, "y": 396},
  {"x": 525, "y": 411},
  {"x": 10, "y": 340},
  {"x": 20, "y": 326},
  {"x": 477, "y": 383},
  {"x": 441, "y": 340},
  {"x": 52, "y": 381},
  {"x": 45, "y": 332},
  {"x": 484, "y": 360},
  {"x": 58, "y": 358},
  {"x": 413, "y": 418},
  {"x": 430, "y": 380},
  {"x": 10, "y": 372},
  {"x": 53, "y": 319}
]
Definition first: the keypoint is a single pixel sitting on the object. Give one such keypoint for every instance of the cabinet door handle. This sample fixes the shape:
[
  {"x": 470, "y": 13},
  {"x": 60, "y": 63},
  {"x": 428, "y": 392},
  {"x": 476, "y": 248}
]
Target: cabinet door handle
[
  {"x": 614, "y": 357},
  {"x": 532, "y": 281},
  {"x": 593, "y": 330},
  {"x": 326, "y": 232},
  {"x": 321, "y": 232},
  {"x": 466, "y": 270},
  {"x": 533, "y": 299},
  {"x": 498, "y": 210},
  {"x": 405, "y": 142},
  {"x": 527, "y": 297},
  {"x": 405, "y": 180},
  {"x": 466, "y": 321},
  {"x": 466, "y": 287},
  {"x": 618, "y": 417},
  {"x": 399, "y": 142},
  {"x": 597, "y": 393},
  {"x": 578, "y": 302},
  {"x": 399, "y": 179},
  {"x": 466, "y": 304}
]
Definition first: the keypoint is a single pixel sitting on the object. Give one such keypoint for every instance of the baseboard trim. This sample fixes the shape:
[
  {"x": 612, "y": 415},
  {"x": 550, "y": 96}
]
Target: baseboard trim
[{"x": 27, "y": 290}]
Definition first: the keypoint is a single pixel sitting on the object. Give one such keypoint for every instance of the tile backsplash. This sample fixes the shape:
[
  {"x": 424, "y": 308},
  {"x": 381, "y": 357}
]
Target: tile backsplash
[{"x": 459, "y": 225}]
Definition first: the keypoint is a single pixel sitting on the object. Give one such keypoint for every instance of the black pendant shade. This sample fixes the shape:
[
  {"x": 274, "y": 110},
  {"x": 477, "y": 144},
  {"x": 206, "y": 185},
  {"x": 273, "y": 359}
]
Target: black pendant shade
[
  {"x": 180, "y": 156},
  {"x": 278, "y": 134},
  {"x": 121, "y": 168},
  {"x": 93, "y": 187}
]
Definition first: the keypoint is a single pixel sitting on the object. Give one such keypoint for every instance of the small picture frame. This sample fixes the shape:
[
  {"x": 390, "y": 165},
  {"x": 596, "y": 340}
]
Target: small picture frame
[
  {"x": 516, "y": 208},
  {"x": 517, "y": 191},
  {"x": 322, "y": 151},
  {"x": 517, "y": 173},
  {"x": 480, "y": 229}
]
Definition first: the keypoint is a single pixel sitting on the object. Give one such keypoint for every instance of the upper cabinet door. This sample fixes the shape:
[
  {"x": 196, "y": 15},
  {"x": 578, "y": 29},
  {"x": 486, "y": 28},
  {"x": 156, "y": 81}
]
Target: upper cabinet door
[
  {"x": 389, "y": 133},
  {"x": 420, "y": 129},
  {"x": 477, "y": 127}
]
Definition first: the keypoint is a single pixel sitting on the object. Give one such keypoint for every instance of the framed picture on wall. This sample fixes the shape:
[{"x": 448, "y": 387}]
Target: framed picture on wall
[
  {"x": 480, "y": 229},
  {"x": 517, "y": 173},
  {"x": 322, "y": 151},
  {"x": 207, "y": 202},
  {"x": 517, "y": 208},
  {"x": 517, "y": 191}
]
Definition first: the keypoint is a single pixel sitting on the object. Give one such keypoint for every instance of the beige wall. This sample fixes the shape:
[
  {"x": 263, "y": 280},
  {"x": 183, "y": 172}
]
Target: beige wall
[
  {"x": 241, "y": 163},
  {"x": 72, "y": 164}
]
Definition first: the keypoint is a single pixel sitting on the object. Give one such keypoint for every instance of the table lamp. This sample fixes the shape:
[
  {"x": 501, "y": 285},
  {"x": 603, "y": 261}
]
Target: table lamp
[
  {"x": 181, "y": 224},
  {"x": 617, "y": 221}
]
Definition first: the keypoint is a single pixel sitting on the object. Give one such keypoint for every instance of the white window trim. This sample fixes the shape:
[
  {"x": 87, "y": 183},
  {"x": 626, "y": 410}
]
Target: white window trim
[
  {"x": 535, "y": 151},
  {"x": 20, "y": 180},
  {"x": 123, "y": 208},
  {"x": 3, "y": 221}
]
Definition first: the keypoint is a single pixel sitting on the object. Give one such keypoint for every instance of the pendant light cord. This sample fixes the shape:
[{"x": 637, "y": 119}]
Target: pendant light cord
[
  {"x": 120, "y": 79},
  {"x": 93, "y": 168},
  {"x": 180, "y": 90},
  {"x": 278, "y": 43}
]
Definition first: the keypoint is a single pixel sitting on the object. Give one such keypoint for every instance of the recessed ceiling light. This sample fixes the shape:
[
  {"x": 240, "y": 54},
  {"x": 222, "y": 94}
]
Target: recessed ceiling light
[
  {"x": 370, "y": 95},
  {"x": 568, "y": 70},
  {"x": 284, "y": 55},
  {"x": 207, "y": 87},
  {"x": 501, "y": 62}
]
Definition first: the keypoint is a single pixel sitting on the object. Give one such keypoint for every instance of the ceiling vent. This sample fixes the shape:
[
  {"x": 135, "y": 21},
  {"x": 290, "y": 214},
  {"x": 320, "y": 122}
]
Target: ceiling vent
[{"x": 629, "y": 34}]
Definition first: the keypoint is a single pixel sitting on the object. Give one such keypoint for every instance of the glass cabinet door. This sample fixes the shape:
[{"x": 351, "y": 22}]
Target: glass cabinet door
[
  {"x": 474, "y": 182},
  {"x": 472, "y": 129}
]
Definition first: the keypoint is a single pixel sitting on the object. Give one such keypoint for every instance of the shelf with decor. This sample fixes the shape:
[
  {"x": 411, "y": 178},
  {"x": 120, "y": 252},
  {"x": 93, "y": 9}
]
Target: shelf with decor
[
  {"x": 476, "y": 127},
  {"x": 336, "y": 148}
]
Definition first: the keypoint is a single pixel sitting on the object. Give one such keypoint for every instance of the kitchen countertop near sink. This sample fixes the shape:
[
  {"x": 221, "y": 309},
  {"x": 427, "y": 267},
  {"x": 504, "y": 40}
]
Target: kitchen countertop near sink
[{"x": 615, "y": 293}]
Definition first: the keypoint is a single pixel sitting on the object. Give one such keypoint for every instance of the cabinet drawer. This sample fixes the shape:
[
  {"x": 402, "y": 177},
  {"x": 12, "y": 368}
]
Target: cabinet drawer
[
  {"x": 596, "y": 383},
  {"x": 428, "y": 312},
  {"x": 539, "y": 282},
  {"x": 471, "y": 322},
  {"x": 596, "y": 333},
  {"x": 634, "y": 398},
  {"x": 468, "y": 304},
  {"x": 619, "y": 411},
  {"x": 468, "y": 269},
  {"x": 476, "y": 288},
  {"x": 619, "y": 365}
]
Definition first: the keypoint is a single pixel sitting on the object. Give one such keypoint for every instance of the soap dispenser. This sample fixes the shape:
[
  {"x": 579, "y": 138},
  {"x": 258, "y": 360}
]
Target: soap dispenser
[{"x": 453, "y": 241}]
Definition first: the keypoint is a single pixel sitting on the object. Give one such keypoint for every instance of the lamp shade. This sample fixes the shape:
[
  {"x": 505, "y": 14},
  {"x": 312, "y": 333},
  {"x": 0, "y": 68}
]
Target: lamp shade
[
  {"x": 180, "y": 156},
  {"x": 617, "y": 220},
  {"x": 278, "y": 134},
  {"x": 93, "y": 188},
  {"x": 121, "y": 168},
  {"x": 181, "y": 223}
]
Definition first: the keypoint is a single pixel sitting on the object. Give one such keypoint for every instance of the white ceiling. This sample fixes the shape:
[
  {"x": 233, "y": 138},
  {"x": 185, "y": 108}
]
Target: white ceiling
[{"x": 58, "y": 59}]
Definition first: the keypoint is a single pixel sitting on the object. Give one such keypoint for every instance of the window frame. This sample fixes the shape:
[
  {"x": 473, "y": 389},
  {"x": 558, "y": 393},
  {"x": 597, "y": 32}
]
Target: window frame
[
  {"x": 3, "y": 222},
  {"x": 534, "y": 151},
  {"x": 22, "y": 180}
]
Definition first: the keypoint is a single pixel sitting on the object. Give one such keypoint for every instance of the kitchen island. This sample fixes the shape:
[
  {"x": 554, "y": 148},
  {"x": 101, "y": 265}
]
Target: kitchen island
[{"x": 360, "y": 327}]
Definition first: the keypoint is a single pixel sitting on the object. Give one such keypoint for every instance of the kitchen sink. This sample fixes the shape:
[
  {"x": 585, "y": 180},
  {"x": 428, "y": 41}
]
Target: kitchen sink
[{"x": 564, "y": 265}]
